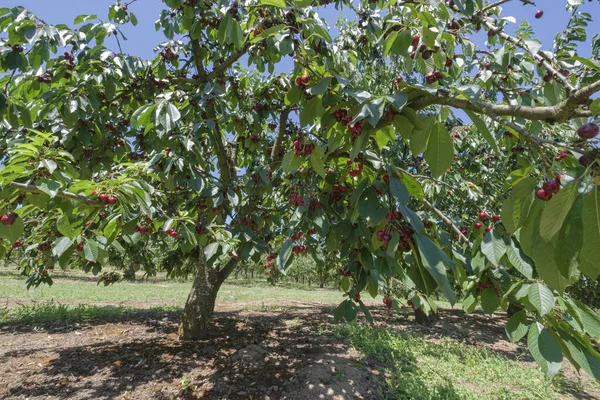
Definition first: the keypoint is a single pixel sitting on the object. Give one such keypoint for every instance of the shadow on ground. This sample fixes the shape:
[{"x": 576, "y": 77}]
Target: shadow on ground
[{"x": 289, "y": 354}]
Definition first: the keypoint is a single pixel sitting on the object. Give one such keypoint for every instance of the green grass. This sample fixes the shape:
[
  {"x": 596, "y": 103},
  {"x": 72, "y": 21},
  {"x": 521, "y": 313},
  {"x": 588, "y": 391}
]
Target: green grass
[
  {"x": 80, "y": 288},
  {"x": 66, "y": 314},
  {"x": 448, "y": 370}
]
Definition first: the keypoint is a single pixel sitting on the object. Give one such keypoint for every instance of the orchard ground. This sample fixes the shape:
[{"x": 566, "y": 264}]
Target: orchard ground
[{"x": 78, "y": 340}]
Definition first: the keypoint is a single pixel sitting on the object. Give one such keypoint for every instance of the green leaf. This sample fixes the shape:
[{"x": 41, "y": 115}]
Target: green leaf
[
  {"x": 312, "y": 110},
  {"x": 541, "y": 298},
  {"x": 516, "y": 327},
  {"x": 346, "y": 311},
  {"x": 588, "y": 256},
  {"x": 585, "y": 356},
  {"x": 317, "y": 159},
  {"x": 274, "y": 3},
  {"x": 284, "y": 254},
  {"x": 516, "y": 208},
  {"x": 61, "y": 245},
  {"x": 435, "y": 261},
  {"x": 489, "y": 300},
  {"x": 211, "y": 251},
  {"x": 91, "y": 250},
  {"x": 544, "y": 349},
  {"x": 268, "y": 33},
  {"x": 320, "y": 87},
  {"x": 595, "y": 107},
  {"x": 12, "y": 232},
  {"x": 48, "y": 186},
  {"x": 384, "y": 135},
  {"x": 399, "y": 191},
  {"x": 483, "y": 129},
  {"x": 493, "y": 247},
  {"x": 111, "y": 230},
  {"x": 440, "y": 151},
  {"x": 556, "y": 211},
  {"x": 413, "y": 186},
  {"x": 519, "y": 260}
]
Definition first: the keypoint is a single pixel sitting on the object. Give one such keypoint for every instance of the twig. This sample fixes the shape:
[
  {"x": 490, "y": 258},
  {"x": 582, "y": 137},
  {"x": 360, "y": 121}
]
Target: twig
[
  {"x": 67, "y": 195},
  {"x": 448, "y": 222}
]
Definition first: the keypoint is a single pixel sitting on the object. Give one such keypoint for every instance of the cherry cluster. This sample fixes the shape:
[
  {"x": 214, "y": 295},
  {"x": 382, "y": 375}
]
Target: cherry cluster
[
  {"x": 337, "y": 194},
  {"x": 549, "y": 188},
  {"x": 44, "y": 246},
  {"x": 298, "y": 249},
  {"x": 17, "y": 244},
  {"x": 169, "y": 55},
  {"x": 303, "y": 149},
  {"x": 433, "y": 77},
  {"x": 301, "y": 81},
  {"x": 344, "y": 272},
  {"x": 404, "y": 230},
  {"x": 483, "y": 286},
  {"x": 171, "y": 232},
  {"x": 355, "y": 129},
  {"x": 250, "y": 223},
  {"x": 296, "y": 199},
  {"x": 17, "y": 48},
  {"x": 46, "y": 77},
  {"x": 105, "y": 198},
  {"x": 355, "y": 172},
  {"x": 256, "y": 178},
  {"x": 314, "y": 204},
  {"x": 143, "y": 230},
  {"x": 297, "y": 236},
  {"x": 342, "y": 116},
  {"x": 388, "y": 303},
  {"x": 561, "y": 156},
  {"x": 397, "y": 82},
  {"x": 9, "y": 218}
]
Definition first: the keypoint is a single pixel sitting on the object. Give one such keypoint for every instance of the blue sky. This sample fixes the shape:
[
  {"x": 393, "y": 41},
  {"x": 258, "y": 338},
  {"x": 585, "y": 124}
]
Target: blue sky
[{"x": 143, "y": 38}]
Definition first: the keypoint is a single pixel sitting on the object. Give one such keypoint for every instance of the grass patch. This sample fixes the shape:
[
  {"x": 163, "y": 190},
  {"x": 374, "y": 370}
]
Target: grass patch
[
  {"x": 67, "y": 314},
  {"x": 448, "y": 370}
]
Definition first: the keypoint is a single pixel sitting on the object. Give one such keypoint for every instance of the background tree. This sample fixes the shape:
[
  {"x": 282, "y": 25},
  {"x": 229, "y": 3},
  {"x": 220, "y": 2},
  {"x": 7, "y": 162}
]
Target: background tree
[{"x": 208, "y": 162}]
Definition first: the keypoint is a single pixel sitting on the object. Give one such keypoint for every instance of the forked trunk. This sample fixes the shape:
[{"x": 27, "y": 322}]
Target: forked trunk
[{"x": 200, "y": 305}]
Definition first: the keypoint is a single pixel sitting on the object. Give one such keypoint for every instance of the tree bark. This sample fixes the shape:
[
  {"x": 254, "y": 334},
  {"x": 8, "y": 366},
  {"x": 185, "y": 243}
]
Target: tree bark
[
  {"x": 513, "y": 309},
  {"x": 424, "y": 319},
  {"x": 194, "y": 323}
]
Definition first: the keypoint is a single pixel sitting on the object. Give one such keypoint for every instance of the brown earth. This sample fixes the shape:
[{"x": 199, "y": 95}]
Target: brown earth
[{"x": 284, "y": 354}]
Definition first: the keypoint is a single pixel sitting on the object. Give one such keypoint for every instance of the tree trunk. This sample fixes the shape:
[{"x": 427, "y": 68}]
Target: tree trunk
[
  {"x": 424, "y": 319},
  {"x": 321, "y": 285},
  {"x": 512, "y": 309},
  {"x": 200, "y": 305}
]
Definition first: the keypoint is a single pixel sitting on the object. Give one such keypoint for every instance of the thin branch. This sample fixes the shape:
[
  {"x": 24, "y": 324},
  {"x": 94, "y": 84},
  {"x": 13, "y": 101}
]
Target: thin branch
[
  {"x": 227, "y": 63},
  {"x": 448, "y": 222},
  {"x": 546, "y": 61},
  {"x": 197, "y": 52},
  {"x": 280, "y": 134},
  {"x": 67, "y": 195},
  {"x": 493, "y": 5}
]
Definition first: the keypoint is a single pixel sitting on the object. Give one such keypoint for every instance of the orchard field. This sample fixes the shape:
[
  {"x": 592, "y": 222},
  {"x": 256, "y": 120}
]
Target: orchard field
[
  {"x": 298, "y": 199},
  {"x": 78, "y": 340}
]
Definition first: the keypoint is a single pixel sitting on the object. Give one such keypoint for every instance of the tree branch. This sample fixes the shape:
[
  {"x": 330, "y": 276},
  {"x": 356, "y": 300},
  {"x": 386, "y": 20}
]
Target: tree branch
[
  {"x": 558, "y": 113},
  {"x": 67, "y": 195},
  {"x": 280, "y": 134},
  {"x": 227, "y": 63},
  {"x": 546, "y": 61},
  {"x": 448, "y": 222},
  {"x": 197, "y": 52}
]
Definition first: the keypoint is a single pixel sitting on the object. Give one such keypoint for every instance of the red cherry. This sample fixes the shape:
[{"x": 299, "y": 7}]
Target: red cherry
[
  {"x": 103, "y": 197},
  {"x": 415, "y": 41},
  {"x": 543, "y": 195},
  {"x": 111, "y": 201},
  {"x": 551, "y": 186},
  {"x": 495, "y": 218},
  {"x": 539, "y": 14},
  {"x": 482, "y": 216},
  {"x": 478, "y": 225},
  {"x": 588, "y": 131}
]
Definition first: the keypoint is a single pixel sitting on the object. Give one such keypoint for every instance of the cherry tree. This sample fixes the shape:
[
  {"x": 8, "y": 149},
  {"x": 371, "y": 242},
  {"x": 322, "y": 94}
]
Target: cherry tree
[{"x": 399, "y": 149}]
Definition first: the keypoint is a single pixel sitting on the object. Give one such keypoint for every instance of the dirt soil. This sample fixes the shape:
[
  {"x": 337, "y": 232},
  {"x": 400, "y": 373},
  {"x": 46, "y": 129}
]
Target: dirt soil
[{"x": 282, "y": 352}]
